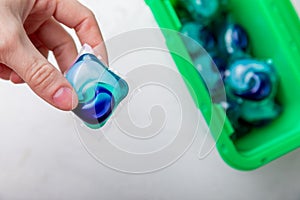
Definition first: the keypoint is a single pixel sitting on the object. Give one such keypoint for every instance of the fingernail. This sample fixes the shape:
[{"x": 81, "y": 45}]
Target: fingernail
[{"x": 65, "y": 98}]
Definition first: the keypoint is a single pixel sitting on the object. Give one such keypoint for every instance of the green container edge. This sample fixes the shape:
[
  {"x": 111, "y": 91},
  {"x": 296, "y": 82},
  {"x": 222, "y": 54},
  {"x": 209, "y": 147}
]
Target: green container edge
[{"x": 284, "y": 26}]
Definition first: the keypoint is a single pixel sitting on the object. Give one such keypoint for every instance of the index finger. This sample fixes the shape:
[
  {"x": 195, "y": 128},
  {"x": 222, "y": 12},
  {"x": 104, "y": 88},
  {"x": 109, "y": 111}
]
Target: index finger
[{"x": 78, "y": 17}]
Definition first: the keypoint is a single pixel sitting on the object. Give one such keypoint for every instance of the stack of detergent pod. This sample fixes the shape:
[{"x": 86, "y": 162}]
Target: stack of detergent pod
[
  {"x": 99, "y": 90},
  {"x": 250, "y": 84}
]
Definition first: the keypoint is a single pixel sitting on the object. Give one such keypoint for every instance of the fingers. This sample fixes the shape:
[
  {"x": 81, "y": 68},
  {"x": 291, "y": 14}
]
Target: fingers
[
  {"x": 56, "y": 39},
  {"x": 5, "y": 72},
  {"x": 44, "y": 51},
  {"x": 44, "y": 79},
  {"x": 76, "y": 16},
  {"x": 39, "y": 45},
  {"x": 15, "y": 78}
]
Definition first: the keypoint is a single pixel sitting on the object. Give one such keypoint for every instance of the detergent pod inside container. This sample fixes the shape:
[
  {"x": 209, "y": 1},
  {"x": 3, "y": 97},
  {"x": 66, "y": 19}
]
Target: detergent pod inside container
[
  {"x": 266, "y": 31},
  {"x": 99, "y": 90}
]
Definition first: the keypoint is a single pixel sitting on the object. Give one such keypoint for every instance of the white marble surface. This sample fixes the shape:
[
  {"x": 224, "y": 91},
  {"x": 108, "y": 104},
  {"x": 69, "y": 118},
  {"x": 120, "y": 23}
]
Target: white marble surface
[{"x": 41, "y": 156}]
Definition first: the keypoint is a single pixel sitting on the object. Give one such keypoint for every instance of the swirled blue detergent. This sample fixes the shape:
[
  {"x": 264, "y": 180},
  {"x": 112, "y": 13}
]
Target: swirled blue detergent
[
  {"x": 251, "y": 84},
  {"x": 99, "y": 90}
]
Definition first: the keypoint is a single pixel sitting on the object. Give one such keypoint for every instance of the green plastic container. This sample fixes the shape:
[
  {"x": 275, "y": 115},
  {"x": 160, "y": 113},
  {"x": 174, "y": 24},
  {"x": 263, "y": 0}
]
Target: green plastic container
[{"x": 274, "y": 30}]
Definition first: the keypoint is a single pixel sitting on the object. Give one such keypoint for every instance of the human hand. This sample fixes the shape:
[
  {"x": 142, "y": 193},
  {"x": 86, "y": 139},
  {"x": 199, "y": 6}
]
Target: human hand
[{"x": 30, "y": 29}]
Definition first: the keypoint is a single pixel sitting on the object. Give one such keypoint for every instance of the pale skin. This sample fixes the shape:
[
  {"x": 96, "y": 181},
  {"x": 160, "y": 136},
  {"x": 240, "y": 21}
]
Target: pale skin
[{"x": 32, "y": 28}]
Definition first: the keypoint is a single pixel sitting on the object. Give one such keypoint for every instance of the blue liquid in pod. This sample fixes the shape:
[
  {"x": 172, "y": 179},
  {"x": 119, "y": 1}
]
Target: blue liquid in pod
[
  {"x": 98, "y": 109},
  {"x": 236, "y": 39},
  {"x": 99, "y": 90},
  {"x": 239, "y": 37},
  {"x": 261, "y": 88}
]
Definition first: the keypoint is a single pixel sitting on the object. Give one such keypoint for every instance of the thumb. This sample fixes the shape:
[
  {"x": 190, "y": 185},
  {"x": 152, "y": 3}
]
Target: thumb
[{"x": 43, "y": 78}]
